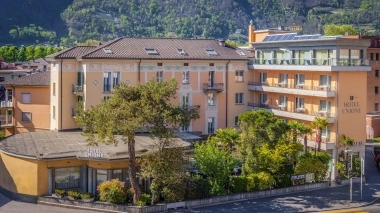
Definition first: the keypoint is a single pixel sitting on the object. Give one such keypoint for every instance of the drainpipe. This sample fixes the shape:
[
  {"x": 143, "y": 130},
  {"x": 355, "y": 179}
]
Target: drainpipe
[
  {"x": 60, "y": 127},
  {"x": 14, "y": 108},
  {"x": 227, "y": 92},
  {"x": 138, "y": 71}
]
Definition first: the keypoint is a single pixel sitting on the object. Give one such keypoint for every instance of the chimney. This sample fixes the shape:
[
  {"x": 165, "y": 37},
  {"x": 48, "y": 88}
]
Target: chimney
[
  {"x": 251, "y": 33},
  {"x": 222, "y": 42}
]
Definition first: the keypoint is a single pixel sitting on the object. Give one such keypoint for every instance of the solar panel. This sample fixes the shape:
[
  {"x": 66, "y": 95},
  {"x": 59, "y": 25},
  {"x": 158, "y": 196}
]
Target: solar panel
[
  {"x": 296, "y": 38},
  {"x": 308, "y": 37},
  {"x": 267, "y": 38},
  {"x": 291, "y": 36},
  {"x": 286, "y": 37},
  {"x": 272, "y": 38},
  {"x": 316, "y": 36},
  {"x": 278, "y": 38}
]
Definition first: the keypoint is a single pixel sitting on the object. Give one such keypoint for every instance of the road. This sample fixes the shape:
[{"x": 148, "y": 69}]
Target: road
[{"x": 313, "y": 201}]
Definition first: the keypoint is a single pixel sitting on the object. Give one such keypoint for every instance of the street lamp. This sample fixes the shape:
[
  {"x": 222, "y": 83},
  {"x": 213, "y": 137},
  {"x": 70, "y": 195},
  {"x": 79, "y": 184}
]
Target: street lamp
[{"x": 350, "y": 171}]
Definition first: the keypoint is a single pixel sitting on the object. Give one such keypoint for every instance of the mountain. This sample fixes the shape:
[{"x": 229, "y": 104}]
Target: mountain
[{"x": 70, "y": 21}]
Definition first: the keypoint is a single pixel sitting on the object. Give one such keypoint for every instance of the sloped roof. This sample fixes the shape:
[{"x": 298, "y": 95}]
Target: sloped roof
[
  {"x": 35, "y": 79},
  {"x": 38, "y": 62},
  {"x": 71, "y": 53}
]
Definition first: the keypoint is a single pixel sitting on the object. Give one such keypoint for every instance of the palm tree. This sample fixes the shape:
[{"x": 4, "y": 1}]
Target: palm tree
[
  {"x": 300, "y": 129},
  {"x": 228, "y": 137},
  {"x": 346, "y": 141},
  {"x": 319, "y": 123}
]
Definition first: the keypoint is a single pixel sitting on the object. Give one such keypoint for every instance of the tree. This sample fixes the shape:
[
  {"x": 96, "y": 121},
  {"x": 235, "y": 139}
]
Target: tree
[
  {"x": 334, "y": 30},
  {"x": 39, "y": 52},
  {"x": 49, "y": 51},
  {"x": 346, "y": 141},
  {"x": 300, "y": 129},
  {"x": 232, "y": 43},
  {"x": 216, "y": 164},
  {"x": 21, "y": 55},
  {"x": 319, "y": 123},
  {"x": 4, "y": 53},
  {"x": 12, "y": 53},
  {"x": 128, "y": 110},
  {"x": 228, "y": 137},
  {"x": 29, "y": 53}
]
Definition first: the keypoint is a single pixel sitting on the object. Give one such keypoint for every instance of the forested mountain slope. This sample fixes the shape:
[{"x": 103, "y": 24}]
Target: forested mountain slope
[{"x": 70, "y": 21}]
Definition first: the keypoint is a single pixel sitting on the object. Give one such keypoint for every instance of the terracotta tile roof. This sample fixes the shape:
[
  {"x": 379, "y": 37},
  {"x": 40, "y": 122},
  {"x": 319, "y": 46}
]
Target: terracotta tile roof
[
  {"x": 134, "y": 48},
  {"x": 72, "y": 52},
  {"x": 36, "y": 79},
  {"x": 37, "y": 62}
]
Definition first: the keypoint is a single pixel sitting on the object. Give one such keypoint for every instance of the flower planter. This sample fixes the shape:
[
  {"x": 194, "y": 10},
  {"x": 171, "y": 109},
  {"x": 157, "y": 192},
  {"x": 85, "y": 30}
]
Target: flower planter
[
  {"x": 71, "y": 198},
  {"x": 88, "y": 200},
  {"x": 57, "y": 196}
]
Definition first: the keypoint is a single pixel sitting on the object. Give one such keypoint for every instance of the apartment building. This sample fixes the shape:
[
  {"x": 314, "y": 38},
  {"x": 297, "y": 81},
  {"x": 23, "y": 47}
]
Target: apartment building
[
  {"x": 300, "y": 77},
  {"x": 211, "y": 76},
  {"x": 26, "y": 104}
]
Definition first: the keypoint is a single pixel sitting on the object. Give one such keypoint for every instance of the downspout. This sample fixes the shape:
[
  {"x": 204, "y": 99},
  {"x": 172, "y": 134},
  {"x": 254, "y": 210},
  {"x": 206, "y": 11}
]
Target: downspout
[
  {"x": 227, "y": 92},
  {"x": 138, "y": 71},
  {"x": 14, "y": 108},
  {"x": 60, "y": 128}
]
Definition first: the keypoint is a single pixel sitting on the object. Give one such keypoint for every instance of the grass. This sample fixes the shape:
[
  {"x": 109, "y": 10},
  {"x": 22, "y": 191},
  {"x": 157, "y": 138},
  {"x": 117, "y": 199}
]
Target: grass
[{"x": 377, "y": 140}]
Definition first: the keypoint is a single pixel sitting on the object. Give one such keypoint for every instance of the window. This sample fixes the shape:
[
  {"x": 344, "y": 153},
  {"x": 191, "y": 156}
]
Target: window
[
  {"x": 159, "y": 64},
  {"x": 283, "y": 78},
  {"x": 25, "y": 98},
  {"x": 54, "y": 112},
  {"x": 263, "y": 99},
  {"x": 211, "y": 78},
  {"x": 239, "y": 98},
  {"x": 300, "y": 79},
  {"x": 376, "y": 90},
  {"x": 2, "y": 79},
  {"x": 107, "y": 82},
  {"x": 80, "y": 79},
  {"x": 263, "y": 77},
  {"x": 324, "y": 106},
  {"x": 181, "y": 51},
  {"x": 211, "y": 52},
  {"x": 300, "y": 103},
  {"x": 67, "y": 178},
  {"x": 185, "y": 79},
  {"x": 26, "y": 116},
  {"x": 376, "y": 107},
  {"x": 210, "y": 99},
  {"x": 211, "y": 64},
  {"x": 377, "y": 56},
  {"x": 186, "y": 64},
  {"x": 325, "y": 80},
  {"x": 325, "y": 132},
  {"x": 107, "y": 50},
  {"x": 117, "y": 174},
  {"x": 185, "y": 99},
  {"x": 210, "y": 125},
  {"x": 159, "y": 76},
  {"x": 106, "y": 98},
  {"x": 239, "y": 76},
  {"x": 185, "y": 128},
  {"x": 376, "y": 73},
  {"x": 282, "y": 101},
  {"x": 151, "y": 51},
  {"x": 236, "y": 120},
  {"x": 54, "y": 89},
  {"x": 371, "y": 56},
  {"x": 116, "y": 79},
  {"x": 101, "y": 176}
]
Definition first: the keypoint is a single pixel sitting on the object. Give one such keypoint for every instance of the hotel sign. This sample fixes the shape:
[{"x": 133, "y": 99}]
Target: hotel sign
[
  {"x": 93, "y": 153},
  {"x": 351, "y": 107}
]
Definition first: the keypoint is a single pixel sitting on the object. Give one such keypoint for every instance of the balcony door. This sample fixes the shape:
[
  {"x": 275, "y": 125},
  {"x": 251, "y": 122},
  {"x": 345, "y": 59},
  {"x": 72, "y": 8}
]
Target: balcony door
[
  {"x": 263, "y": 99},
  {"x": 325, "y": 81},
  {"x": 300, "y": 79},
  {"x": 300, "y": 103},
  {"x": 211, "y": 125},
  {"x": 211, "y": 78},
  {"x": 80, "y": 79},
  {"x": 283, "y": 79},
  {"x": 324, "y": 106}
]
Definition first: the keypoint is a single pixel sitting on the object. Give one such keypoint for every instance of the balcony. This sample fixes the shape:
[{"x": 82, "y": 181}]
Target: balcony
[
  {"x": 326, "y": 64},
  {"x": 6, "y": 104},
  {"x": 326, "y": 143},
  {"x": 308, "y": 90},
  {"x": 216, "y": 87},
  {"x": 78, "y": 90},
  {"x": 296, "y": 113},
  {"x": 6, "y": 121}
]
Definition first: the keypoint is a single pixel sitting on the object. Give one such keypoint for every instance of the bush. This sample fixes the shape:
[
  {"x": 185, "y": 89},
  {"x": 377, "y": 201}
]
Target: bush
[
  {"x": 312, "y": 164},
  {"x": 144, "y": 200},
  {"x": 74, "y": 194},
  {"x": 129, "y": 194},
  {"x": 199, "y": 187},
  {"x": 86, "y": 195},
  {"x": 112, "y": 191},
  {"x": 252, "y": 182},
  {"x": 238, "y": 184},
  {"x": 260, "y": 181},
  {"x": 60, "y": 192},
  {"x": 174, "y": 190}
]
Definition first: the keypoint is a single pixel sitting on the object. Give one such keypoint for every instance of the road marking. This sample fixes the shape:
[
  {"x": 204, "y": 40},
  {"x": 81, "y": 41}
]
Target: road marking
[{"x": 353, "y": 210}]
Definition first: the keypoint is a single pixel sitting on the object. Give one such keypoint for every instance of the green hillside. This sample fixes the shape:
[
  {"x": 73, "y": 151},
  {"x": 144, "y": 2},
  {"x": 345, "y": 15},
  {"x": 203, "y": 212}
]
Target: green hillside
[{"x": 70, "y": 21}]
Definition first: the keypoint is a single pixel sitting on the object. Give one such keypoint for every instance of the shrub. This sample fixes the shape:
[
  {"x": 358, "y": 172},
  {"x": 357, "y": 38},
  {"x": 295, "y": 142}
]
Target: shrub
[
  {"x": 60, "y": 192},
  {"x": 311, "y": 164},
  {"x": 86, "y": 195},
  {"x": 239, "y": 184},
  {"x": 129, "y": 194},
  {"x": 265, "y": 180},
  {"x": 174, "y": 190},
  {"x": 74, "y": 194},
  {"x": 112, "y": 191},
  {"x": 199, "y": 187},
  {"x": 144, "y": 200},
  {"x": 252, "y": 182}
]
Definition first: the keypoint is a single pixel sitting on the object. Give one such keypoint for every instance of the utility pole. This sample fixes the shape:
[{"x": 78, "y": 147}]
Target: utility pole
[
  {"x": 350, "y": 171},
  {"x": 361, "y": 178}
]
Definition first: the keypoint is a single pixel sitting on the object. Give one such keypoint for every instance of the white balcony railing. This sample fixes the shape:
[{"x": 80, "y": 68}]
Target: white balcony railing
[{"x": 6, "y": 104}]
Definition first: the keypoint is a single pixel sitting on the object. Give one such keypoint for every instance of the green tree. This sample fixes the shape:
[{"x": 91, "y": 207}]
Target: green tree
[
  {"x": 346, "y": 141},
  {"x": 228, "y": 137},
  {"x": 21, "y": 55},
  {"x": 12, "y": 53},
  {"x": 56, "y": 49},
  {"x": 334, "y": 30},
  {"x": 319, "y": 123},
  {"x": 300, "y": 129},
  {"x": 216, "y": 164},
  {"x": 232, "y": 43},
  {"x": 39, "y": 52},
  {"x": 49, "y": 51},
  {"x": 4, "y": 53},
  {"x": 128, "y": 110},
  {"x": 29, "y": 53}
]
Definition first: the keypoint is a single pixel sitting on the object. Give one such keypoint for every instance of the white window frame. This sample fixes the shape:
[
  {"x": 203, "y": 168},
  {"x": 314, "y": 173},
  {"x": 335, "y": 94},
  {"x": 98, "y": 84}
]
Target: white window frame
[
  {"x": 326, "y": 103},
  {"x": 283, "y": 78},
  {"x": 298, "y": 103},
  {"x": 239, "y": 98},
  {"x": 211, "y": 99},
  {"x": 186, "y": 77},
  {"x": 325, "y": 132},
  {"x": 236, "y": 121},
  {"x": 26, "y": 95},
  {"x": 159, "y": 76},
  {"x": 106, "y": 97},
  {"x": 210, "y": 125},
  {"x": 282, "y": 100},
  {"x": 107, "y": 83},
  {"x": 263, "y": 77},
  {"x": 328, "y": 79},
  {"x": 239, "y": 76},
  {"x": 26, "y": 113},
  {"x": 116, "y": 79},
  {"x": 185, "y": 99}
]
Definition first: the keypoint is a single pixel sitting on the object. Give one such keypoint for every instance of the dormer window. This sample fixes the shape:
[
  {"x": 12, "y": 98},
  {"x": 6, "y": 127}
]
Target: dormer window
[
  {"x": 151, "y": 51},
  {"x": 181, "y": 51},
  {"x": 107, "y": 50},
  {"x": 211, "y": 52},
  {"x": 241, "y": 53}
]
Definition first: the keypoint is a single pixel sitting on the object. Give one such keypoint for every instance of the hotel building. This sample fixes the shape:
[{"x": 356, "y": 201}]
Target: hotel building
[{"x": 301, "y": 77}]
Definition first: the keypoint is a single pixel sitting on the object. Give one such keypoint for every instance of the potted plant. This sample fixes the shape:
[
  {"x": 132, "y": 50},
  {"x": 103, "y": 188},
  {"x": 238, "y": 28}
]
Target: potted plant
[
  {"x": 73, "y": 195},
  {"x": 87, "y": 197},
  {"x": 59, "y": 193}
]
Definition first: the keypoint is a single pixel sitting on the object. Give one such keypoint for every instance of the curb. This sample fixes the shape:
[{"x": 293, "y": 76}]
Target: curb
[{"x": 75, "y": 207}]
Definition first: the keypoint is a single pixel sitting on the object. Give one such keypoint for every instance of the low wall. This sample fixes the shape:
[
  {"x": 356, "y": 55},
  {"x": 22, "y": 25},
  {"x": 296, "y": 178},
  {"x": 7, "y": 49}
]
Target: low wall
[
  {"x": 345, "y": 182},
  {"x": 102, "y": 206},
  {"x": 18, "y": 196}
]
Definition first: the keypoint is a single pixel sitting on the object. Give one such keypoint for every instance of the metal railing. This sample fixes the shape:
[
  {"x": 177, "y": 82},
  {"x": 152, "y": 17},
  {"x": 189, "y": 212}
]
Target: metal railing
[
  {"x": 292, "y": 86},
  {"x": 215, "y": 86},
  {"x": 312, "y": 61},
  {"x": 6, "y": 120},
  {"x": 293, "y": 110},
  {"x": 6, "y": 104},
  {"x": 77, "y": 88}
]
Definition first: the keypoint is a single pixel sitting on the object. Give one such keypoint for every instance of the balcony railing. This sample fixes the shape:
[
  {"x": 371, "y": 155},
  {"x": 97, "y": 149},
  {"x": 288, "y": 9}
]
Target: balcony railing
[
  {"x": 218, "y": 87},
  {"x": 292, "y": 86},
  {"x": 293, "y": 110},
  {"x": 313, "y": 62},
  {"x": 313, "y": 138},
  {"x": 195, "y": 107},
  {"x": 77, "y": 89},
  {"x": 5, "y": 104},
  {"x": 6, "y": 120}
]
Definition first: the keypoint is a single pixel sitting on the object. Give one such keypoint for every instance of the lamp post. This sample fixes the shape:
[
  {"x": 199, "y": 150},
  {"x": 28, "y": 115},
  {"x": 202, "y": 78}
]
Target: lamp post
[{"x": 350, "y": 171}]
